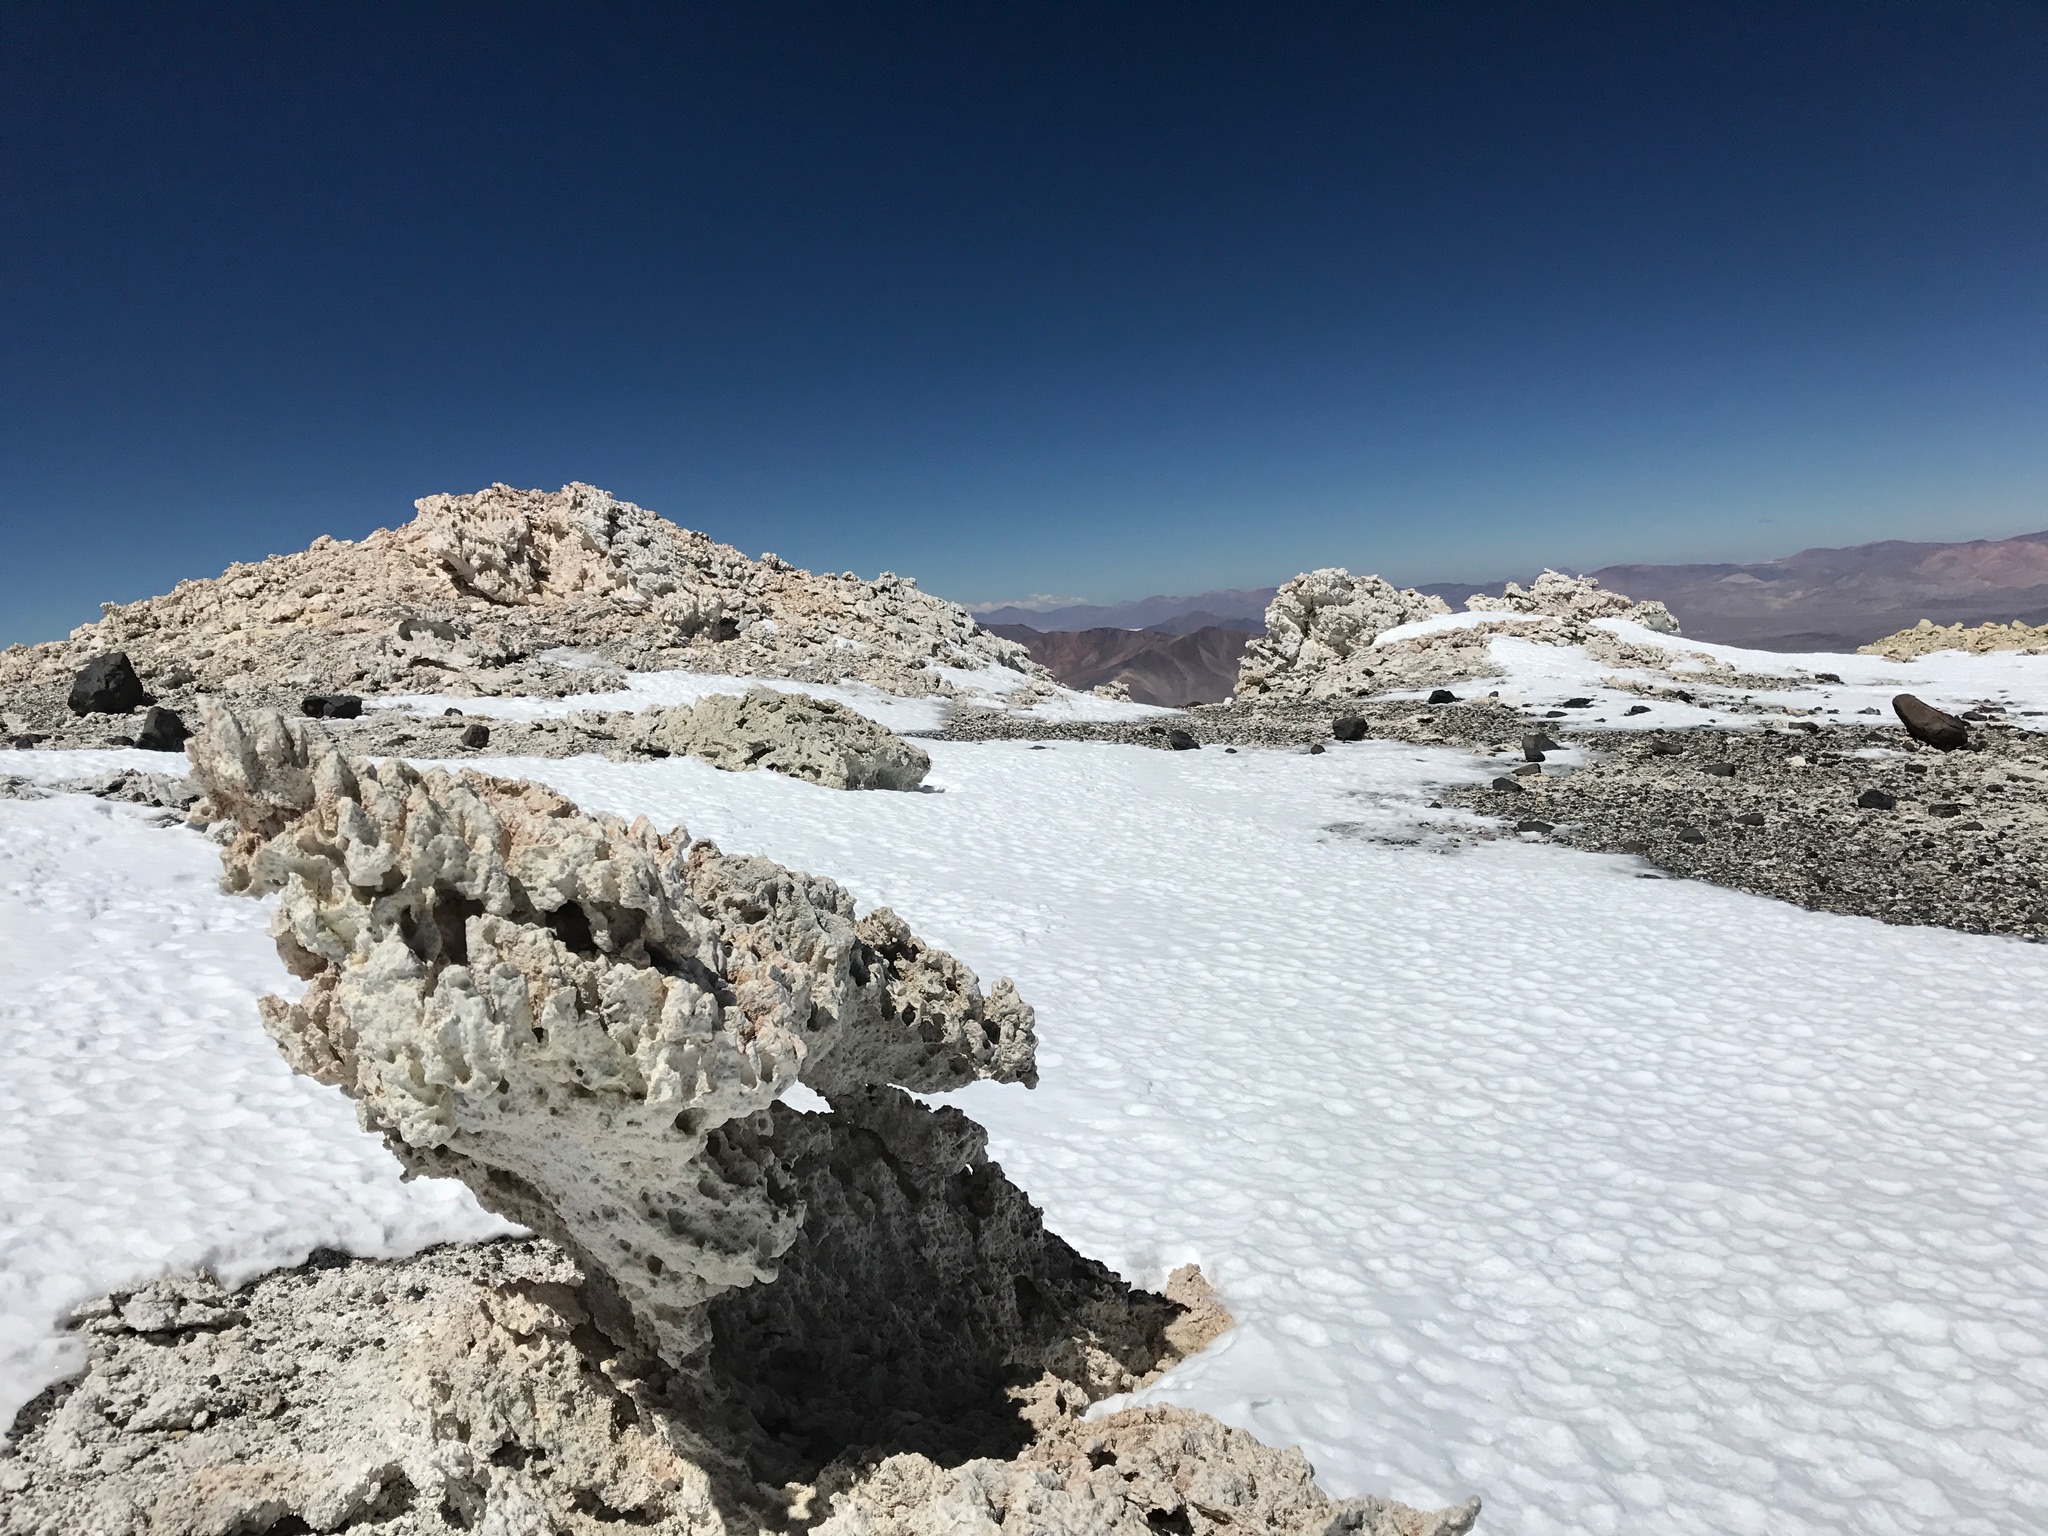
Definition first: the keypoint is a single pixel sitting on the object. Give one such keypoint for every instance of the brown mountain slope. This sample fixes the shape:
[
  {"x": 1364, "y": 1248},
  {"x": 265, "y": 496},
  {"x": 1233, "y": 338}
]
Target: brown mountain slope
[
  {"x": 1837, "y": 599},
  {"x": 1158, "y": 668}
]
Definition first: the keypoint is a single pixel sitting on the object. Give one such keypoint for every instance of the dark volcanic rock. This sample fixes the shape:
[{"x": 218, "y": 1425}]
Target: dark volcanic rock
[
  {"x": 476, "y": 735},
  {"x": 1349, "y": 727},
  {"x": 162, "y": 731},
  {"x": 1931, "y": 725},
  {"x": 1181, "y": 741},
  {"x": 332, "y": 706},
  {"x": 1509, "y": 786},
  {"x": 1877, "y": 800},
  {"x": 1443, "y": 696},
  {"x": 107, "y": 685}
]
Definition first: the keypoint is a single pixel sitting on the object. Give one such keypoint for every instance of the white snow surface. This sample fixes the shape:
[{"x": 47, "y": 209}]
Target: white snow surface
[
  {"x": 1629, "y": 1204},
  {"x": 146, "y": 1121},
  {"x": 984, "y": 688},
  {"x": 1532, "y": 673}
]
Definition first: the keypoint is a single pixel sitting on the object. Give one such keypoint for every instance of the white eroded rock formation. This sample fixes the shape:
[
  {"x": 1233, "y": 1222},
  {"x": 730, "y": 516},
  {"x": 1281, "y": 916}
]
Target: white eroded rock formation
[
  {"x": 584, "y": 1020},
  {"x": 1324, "y": 634},
  {"x": 818, "y": 740},
  {"x": 472, "y": 594}
]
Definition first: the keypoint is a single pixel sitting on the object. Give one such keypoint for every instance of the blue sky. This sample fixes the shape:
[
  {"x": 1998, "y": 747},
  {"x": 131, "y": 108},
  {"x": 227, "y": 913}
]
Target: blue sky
[{"x": 1089, "y": 300}]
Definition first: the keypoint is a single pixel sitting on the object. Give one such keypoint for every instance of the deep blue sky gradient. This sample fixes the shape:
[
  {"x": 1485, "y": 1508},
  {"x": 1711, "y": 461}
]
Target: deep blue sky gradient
[{"x": 1087, "y": 300}]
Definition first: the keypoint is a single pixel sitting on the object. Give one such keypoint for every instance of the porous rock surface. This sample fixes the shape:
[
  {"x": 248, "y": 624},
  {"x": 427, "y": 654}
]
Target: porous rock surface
[
  {"x": 819, "y": 740},
  {"x": 1323, "y": 634},
  {"x": 469, "y": 1389},
  {"x": 1927, "y": 637},
  {"x": 585, "y": 1020},
  {"x": 472, "y": 595},
  {"x": 1320, "y": 629}
]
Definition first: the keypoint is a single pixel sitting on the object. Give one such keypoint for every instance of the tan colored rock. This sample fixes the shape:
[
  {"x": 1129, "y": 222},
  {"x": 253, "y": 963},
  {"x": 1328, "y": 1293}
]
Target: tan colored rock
[
  {"x": 817, "y": 740},
  {"x": 1927, "y": 637},
  {"x": 471, "y": 595}
]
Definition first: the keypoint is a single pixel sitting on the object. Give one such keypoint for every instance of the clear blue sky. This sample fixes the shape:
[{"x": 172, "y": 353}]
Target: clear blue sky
[{"x": 1094, "y": 300}]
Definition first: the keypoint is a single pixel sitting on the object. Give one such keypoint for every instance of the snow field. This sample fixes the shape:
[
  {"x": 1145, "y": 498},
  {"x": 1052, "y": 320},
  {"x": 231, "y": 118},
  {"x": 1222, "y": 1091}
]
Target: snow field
[
  {"x": 146, "y": 1121},
  {"x": 1629, "y": 1204}
]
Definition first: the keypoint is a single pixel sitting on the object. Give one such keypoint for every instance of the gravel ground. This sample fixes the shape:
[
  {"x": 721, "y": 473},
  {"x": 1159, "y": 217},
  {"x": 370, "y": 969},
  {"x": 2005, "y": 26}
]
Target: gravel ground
[{"x": 1962, "y": 844}]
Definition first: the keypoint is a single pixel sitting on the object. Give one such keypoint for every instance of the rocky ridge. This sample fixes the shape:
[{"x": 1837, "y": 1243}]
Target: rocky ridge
[
  {"x": 1927, "y": 637},
  {"x": 481, "y": 594}
]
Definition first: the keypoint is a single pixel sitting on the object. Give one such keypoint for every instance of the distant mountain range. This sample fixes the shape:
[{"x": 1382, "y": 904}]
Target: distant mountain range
[{"x": 1181, "y": 650}]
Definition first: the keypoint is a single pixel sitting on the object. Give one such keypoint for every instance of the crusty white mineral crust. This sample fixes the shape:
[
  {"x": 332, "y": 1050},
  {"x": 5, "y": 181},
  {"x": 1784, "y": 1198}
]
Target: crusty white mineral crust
[
  {"x": 583, "y": 1019},
  {"x": 819, "y": 740}
]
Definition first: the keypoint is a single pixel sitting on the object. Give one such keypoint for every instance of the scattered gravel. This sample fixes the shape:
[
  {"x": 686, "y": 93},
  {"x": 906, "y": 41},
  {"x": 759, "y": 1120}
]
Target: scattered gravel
[{"x": 1849, "y": 819}]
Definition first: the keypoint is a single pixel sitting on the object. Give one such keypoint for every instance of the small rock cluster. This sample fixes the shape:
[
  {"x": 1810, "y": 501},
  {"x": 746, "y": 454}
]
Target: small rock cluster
[{"x": 817, "y": 740}]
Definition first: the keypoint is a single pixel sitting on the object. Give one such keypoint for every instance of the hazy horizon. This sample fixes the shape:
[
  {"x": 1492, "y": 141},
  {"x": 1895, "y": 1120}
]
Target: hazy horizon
[{"x": 1113, "y": 301}]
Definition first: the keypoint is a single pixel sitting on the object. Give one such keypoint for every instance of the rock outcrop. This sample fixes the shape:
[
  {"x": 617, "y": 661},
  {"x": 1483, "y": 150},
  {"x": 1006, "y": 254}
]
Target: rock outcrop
[
  {"x": 1927, "y": 637},
  {"x": 1324, "y": 634},
  {"x": 1320, "y": 631},
  {"x": 476, "y": 594},
  {"x": 1576, "y": 599},
  {"x": 818, "y": 740},
  {"x": 740, "y": 1315},
  {"x": 584, "y": 1020}
]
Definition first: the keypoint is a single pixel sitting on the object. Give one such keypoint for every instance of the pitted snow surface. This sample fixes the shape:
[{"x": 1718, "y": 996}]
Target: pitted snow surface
[
  {"x": 146, "y": 1121},
  {"x": 1630, "y": 1204}
]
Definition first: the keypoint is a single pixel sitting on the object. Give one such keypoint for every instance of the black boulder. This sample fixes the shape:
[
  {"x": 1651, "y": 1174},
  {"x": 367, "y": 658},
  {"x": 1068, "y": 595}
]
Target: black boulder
[
  {"x": 162, "y": 731},
  {"x": 107, "y": 685}
]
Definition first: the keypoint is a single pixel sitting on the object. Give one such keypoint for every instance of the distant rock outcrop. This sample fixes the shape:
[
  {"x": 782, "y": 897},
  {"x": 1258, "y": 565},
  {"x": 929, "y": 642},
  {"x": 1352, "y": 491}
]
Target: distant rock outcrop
[
  {"x": 1927, "y": 637},
  {"x": 818, "y": 740},
  {"x": 478, "y": 593},
  {"x": 1324, "y": 633}
]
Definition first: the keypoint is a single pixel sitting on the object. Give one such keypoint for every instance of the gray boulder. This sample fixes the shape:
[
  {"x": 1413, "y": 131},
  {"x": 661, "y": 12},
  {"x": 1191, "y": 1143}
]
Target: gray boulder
[{"x": 816, "y": 740}]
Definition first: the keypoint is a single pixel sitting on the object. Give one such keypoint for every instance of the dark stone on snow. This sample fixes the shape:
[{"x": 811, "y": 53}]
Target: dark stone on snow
[
  {"x": 1720, "y": 770},
  {"x": 1512, "y": 785},
  {"x": 162, "y": 731},
  {"x": 1553, "y": 714},
  {"x": 1637, "y": 709},
  {"x": 1528, "y": 770},
  {"x": 107, "y": 685},
  {"x": 1181, "y": 741},
  {"x": 451, "y": 710},
  {"x": 1532, "y": 826},
  {"x": 1577, "y": 704},
  {"x": 1534, "y": 746},
  {"x": 23, "y": 743},
  {"x": 1349, "y": 728},
  {"x": 476, "y": 735},
  {"x": 1442, "y": 696},
  {"x": 331, "y": 706},
  {"x": 1877, "y": 800},
  {"x": 1316, "y": 748},
  {"x": 1924, "y": 721},
  {"x": 1827, "y": 677}
]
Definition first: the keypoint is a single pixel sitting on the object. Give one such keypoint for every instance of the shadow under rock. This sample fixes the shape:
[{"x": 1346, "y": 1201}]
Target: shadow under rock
[{"x": 923, "y": 1307}]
